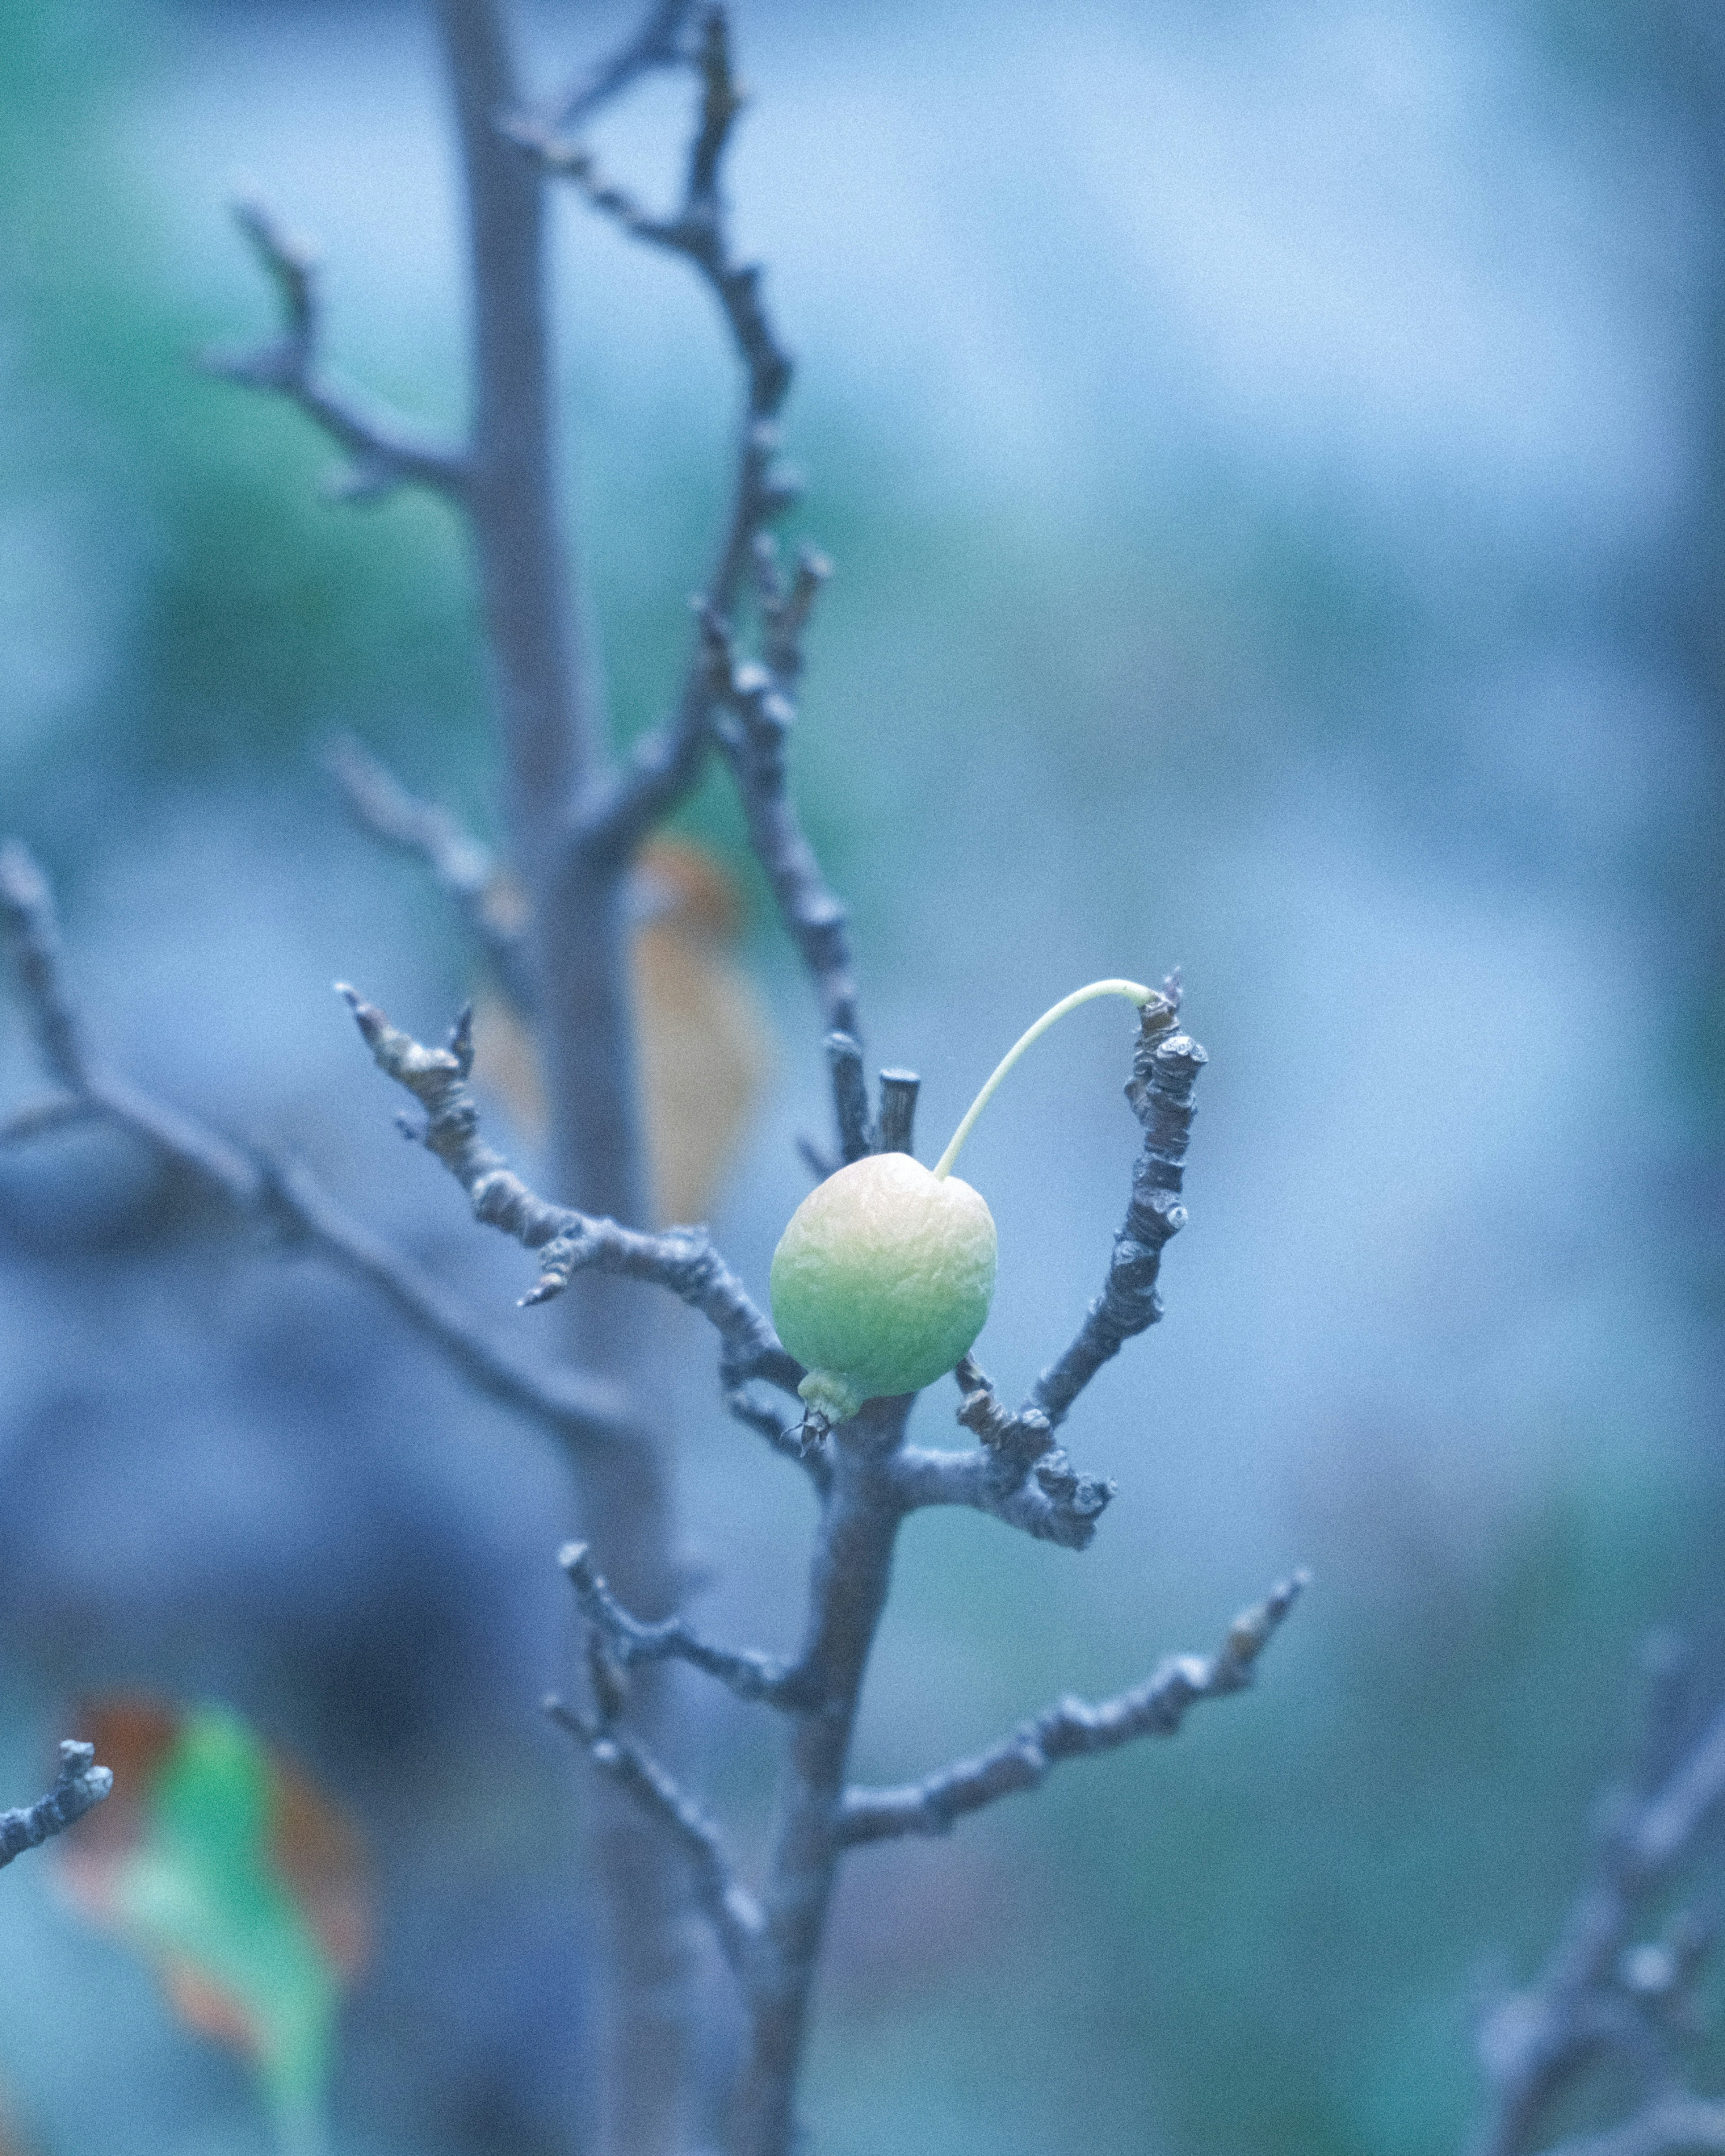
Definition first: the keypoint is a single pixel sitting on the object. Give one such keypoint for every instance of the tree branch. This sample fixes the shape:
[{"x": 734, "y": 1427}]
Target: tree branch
[
  {"x": 1165, "y": 1068},
  {"x": 1067, "y": 1729},
  {"x": 681, "y": 1260},
  {"x": 78, "y": 1787},
  {"x": 384, "y": 453},
  {"x": 577, "y": 1410},
  {"x": 460, "y": 867},
  {"x": 37, "y": 1119},
  {"x": 1597, "y": 1991},
  {"x": 1020, "y": 1475},
  {"x": 751, "y": 1675},
  {"x": 760, "y": 715},
  {"x": 659, "y": 43},
  {"x": 1053, "y": 1502},
  {"x": 667, "y": 761},
  {"x": 725, "y": 1902}
]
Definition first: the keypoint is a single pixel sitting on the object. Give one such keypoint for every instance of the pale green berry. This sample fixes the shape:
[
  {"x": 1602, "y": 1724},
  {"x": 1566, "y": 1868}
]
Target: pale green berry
[
  {"x": 882, "y": 1280},
  {"x": 885, "y": 1275}
]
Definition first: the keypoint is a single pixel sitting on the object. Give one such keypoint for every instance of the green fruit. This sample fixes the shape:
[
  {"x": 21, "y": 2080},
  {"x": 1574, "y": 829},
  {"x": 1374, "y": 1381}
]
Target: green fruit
[{"x": 882, "y": 1280}]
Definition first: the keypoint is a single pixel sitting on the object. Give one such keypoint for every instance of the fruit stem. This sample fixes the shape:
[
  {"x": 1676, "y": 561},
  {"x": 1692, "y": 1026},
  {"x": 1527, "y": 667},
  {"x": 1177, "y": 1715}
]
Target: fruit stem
[{"x": 1132, "y": 991}]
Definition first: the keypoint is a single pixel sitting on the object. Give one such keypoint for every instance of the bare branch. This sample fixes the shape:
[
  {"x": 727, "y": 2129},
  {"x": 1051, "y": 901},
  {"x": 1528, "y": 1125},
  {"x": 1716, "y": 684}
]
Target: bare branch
[
  {"x": 37, "y": 1119},
  {"x": 767, "y": 1678},
  {"x": 898, "y": 1110},
  {"x": 461, "y": 868},
  {"x": 31, "y": 931},
  {"x": 78, "y": 1787},
  {"x": 1052, "y": 1502},
  {"x": 785, "y": 605},
  {"x": 681, "y": 1260},
  {"x": 384, "y": 453},
  {"x": 850, "y": 1096},
  {"x": 1017, "y": 1440},
  {"x": 660, "y": 42},
  {"x": 728, "y": 1905},
  {"x": 1597, "y": 1990},
  {"x": 753, "y": 728},
  {"x": 1165, "y": 1068},
  {"x": 577, "y": 1410},
  {"x": 1020, "y": 1475},
  {"x": 667, "y": 761},
  {"x": 1069, "y": 1729}
]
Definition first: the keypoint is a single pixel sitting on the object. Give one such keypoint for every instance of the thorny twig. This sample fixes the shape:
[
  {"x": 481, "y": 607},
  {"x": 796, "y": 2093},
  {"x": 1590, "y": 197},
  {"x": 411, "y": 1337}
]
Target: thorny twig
[
  {"x": 78, "y": 1787},
  {"x": 579, "y": 1410},
  {"x": 1600, "y": 1992},
  {"x": 1069, "y": 1729},
  {"x": 383, "y": 452}
]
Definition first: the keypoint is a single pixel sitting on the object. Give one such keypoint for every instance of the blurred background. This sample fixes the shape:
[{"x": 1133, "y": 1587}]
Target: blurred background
[{"x": 1271, "y": 451}]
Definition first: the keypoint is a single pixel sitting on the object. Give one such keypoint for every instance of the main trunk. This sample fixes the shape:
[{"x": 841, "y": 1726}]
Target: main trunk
[
  {"x": 642, "y": 1985},
  {"x": 852, "y": 1568}
]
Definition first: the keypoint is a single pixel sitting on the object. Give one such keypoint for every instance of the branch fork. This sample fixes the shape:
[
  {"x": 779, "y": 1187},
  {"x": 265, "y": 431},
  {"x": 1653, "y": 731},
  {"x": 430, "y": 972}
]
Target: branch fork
[{"x": 383, "y": 452}]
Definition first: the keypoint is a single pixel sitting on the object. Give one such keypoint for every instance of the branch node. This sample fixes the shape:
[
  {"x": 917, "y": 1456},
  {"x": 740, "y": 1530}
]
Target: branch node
[
  {"x": 77, "y": 1787},
  {"x": 383, "y": 453}
]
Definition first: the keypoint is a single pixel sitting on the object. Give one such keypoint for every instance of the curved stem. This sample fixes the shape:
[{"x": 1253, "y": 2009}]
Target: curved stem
[{"x": 1134, "y": 993}]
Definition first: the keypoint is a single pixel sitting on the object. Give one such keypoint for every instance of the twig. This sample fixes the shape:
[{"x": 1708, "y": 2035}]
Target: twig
[
  {"x": 851, "y": 1095},
  {"x": 667, "y": 761},
  {"x": 1596, "y": 1992},
  {"x": 681, "y": 1260},
  {"x": 760, "y": 716},
  {"x": 1067, "y": 1729},
  {"x": 1018, "y": 1441},
  {"x": 577, "y": 1410},
  {"x": 1053, "y": 1502},
  {"x": 461, "y": 868},
  {"x": 32, "y": 931},
  {"x": 78, "y": 1787},
  {"x": 1165, "y": 1068},
  {"x": 751, "y": 1675},
  {"x": 898, "y": 1110},
  {"x": 384, "y": 453},
  {"x": 659, "y": 43},
  {"x": 726, "y": 1902},
  {"x": 1020, "y": 1475},
  {"x": 37, "y": 1119}
]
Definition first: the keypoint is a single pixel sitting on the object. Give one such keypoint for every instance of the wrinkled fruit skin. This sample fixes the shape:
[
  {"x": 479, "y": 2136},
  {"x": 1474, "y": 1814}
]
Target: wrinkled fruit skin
[{"x": 882, "y": 1280}]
